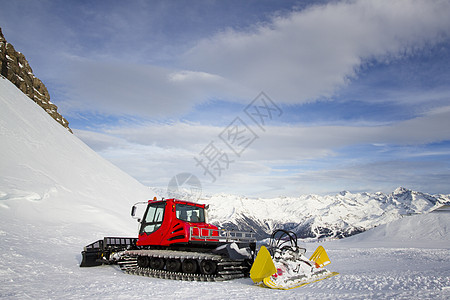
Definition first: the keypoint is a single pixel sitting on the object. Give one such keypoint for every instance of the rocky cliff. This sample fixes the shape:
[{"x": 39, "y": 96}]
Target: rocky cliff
[{"x": 16, "y": 69}]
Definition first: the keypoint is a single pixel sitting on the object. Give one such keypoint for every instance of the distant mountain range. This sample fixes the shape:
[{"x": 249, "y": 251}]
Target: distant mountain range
[{"x": 317, "y": 217}]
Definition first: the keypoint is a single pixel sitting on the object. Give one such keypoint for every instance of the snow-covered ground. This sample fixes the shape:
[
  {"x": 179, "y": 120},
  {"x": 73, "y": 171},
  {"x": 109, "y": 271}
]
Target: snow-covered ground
[
  {"x": 41, "y": 261},
  {"x": 57, "y": 195}
]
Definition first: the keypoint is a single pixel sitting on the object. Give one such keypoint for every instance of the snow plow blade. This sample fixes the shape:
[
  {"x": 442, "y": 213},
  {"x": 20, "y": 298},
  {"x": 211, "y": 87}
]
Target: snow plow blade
[
  {"x": 320, "y": 257},
  {"x": 262, "y": 266}
]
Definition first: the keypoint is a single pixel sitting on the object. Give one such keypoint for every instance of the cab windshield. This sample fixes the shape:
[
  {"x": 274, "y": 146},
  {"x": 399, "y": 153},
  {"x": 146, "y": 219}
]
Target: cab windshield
[
  {"x": 153, "y": 217},
  {"x": 190, "y": 213}
]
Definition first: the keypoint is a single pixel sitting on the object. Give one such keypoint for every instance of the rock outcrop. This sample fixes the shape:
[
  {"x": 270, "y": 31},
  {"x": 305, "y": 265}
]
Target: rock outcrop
[{"x": 16, "y": 69}]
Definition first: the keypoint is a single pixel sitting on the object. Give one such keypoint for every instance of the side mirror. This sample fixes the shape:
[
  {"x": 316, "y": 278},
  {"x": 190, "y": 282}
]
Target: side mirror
[{"x": 134, "y": 208}]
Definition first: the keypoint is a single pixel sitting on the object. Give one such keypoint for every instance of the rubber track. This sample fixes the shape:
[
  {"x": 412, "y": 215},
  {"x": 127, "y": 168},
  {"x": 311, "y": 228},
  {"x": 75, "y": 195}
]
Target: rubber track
[{"x": 229, "y": 269}]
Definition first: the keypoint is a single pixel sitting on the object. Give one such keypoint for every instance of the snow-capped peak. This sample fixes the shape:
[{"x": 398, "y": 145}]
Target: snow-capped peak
[{"x": 317, "y": 216}]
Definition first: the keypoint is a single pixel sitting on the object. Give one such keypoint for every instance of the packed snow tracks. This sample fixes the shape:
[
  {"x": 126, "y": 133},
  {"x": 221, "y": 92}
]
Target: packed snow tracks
[{"x": 182, "y": 265}]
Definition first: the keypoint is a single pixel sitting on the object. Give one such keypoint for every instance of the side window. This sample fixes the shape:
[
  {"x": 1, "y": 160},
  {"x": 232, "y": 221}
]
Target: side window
[
  {"x": 190, "y": 213},
  {"x": 153, "y": 218}
]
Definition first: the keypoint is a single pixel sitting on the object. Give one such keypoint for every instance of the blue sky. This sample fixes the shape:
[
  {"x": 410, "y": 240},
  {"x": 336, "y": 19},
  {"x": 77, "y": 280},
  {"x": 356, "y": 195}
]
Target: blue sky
[{"x": 359, "y": 90}]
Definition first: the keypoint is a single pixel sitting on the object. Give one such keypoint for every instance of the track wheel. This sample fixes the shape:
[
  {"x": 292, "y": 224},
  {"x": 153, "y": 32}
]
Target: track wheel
[
  {"x": 143, "y": 261},
  {"x": 208, "y": 267},
  {"x": 173, "y": 265},
  {"x": 156, "y": 263},
  {"x": 189, "y": 266}
]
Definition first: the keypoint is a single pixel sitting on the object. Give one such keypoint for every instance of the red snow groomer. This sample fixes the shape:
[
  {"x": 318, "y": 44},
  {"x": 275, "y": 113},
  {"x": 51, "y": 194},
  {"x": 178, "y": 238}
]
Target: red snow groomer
[{"x": 176, "y": 242}]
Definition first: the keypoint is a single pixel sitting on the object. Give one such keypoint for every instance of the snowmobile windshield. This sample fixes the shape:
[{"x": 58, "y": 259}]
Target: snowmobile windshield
[{"x": 190, "y": 213}]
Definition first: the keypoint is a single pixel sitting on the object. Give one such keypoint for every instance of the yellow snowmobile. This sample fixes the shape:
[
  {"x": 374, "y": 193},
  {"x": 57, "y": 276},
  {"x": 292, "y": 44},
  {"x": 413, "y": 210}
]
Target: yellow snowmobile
[{"x": 284, "y": 265}]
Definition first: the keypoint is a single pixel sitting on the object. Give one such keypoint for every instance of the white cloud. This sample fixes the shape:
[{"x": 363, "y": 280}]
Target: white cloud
[
  {"x": 120, "y": 88},
  {"x": 298, "y": 57},
  {"x": 291, "y": 142},
  {"x": 382, "y": 176},
  {"x": 153, "y": 153},
  {"x": 311, "y": 53},
  {"x": 193, "y": 76}
]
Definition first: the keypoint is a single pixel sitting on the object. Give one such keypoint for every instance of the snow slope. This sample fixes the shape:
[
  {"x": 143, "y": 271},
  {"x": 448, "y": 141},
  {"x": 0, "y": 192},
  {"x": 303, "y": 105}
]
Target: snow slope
[
  {"x": 405, "y": 259},
  {"x": 47, "y": 174},
  {"x": 418, "y": 231},
  {"x": 56, "y": 195}
]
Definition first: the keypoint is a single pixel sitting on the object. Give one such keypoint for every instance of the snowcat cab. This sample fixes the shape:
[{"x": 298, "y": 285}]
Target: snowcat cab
[{"x": 171, "y": 221}]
